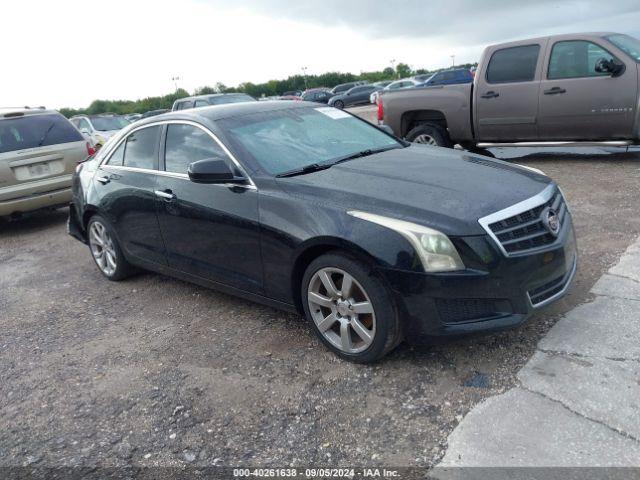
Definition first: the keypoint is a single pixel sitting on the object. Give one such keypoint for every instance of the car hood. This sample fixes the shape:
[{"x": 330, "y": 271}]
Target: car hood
[{"x": 441, "y": 188}]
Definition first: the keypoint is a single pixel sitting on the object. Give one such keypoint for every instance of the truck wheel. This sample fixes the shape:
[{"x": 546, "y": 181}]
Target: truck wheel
[
  {"x": 481, "y": 151},
  {"x": 430, "y": 134}
]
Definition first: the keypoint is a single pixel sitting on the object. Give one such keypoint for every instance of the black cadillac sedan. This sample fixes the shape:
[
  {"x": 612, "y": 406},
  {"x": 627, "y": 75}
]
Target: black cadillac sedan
[{"x": 313, "y": 210}]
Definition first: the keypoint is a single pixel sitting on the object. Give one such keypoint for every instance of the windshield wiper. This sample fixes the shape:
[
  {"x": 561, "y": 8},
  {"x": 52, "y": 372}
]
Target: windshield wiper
[
  {"x": 363, "y": 153},
  {"x": 44, "y": 136},
  {"x": 314, "y": 167}
]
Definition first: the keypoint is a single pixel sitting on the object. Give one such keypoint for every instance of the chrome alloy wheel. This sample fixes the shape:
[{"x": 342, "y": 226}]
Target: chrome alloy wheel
[
  {"x": 341, "y": 310},
  {"x": 102, "y": 248},
  {"x": 426, "y": 139}
]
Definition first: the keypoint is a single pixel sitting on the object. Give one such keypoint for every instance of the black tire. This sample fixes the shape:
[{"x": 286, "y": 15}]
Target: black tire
[
  {"x": 432, "y": 130},
  {"x": 481, "y": 151},
  {"x": 338, "y": 104},
  {"x": 387, "y": 332},
  {"x": 123, "y": 268}
]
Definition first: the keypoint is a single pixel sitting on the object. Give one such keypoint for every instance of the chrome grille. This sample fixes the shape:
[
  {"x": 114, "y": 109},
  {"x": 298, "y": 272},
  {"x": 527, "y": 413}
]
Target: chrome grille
[{"x": 525, "y": 231}]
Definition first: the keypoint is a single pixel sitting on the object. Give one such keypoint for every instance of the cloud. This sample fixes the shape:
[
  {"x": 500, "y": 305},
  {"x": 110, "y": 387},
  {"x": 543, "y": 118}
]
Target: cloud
[{"x": 463, "y": 22}]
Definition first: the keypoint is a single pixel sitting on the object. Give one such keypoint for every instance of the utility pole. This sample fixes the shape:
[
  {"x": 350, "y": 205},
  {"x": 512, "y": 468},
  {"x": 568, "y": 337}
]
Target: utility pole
[
  {"x": 453, "y": 60},
  {"x": 175, "y": 81},
  {"x": 304, "y": 72},
  {"x": 393, "y": 66}
]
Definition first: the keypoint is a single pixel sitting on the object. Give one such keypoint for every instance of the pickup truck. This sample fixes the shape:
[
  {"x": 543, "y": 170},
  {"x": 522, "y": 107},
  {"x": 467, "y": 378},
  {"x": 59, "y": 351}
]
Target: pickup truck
[{"x": 559, "y": 90}]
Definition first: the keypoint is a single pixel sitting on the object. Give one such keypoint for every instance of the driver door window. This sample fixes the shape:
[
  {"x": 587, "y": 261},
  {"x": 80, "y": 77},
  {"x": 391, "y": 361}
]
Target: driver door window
[
  {"x": 186, "y": 144},
  {"x": 575, "y": 59}
]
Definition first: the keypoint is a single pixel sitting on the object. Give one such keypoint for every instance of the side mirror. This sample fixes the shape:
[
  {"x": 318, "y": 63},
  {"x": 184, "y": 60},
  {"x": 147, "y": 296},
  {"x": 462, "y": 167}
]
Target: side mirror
[
  {"x": 611, "y": 67},
  {"x": 212, "y": 170}
]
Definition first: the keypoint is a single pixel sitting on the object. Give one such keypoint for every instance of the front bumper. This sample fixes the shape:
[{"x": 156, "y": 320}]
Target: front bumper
[{"x": 494, "y": 293}]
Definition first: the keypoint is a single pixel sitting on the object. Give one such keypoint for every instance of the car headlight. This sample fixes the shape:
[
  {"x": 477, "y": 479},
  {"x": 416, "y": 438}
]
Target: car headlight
[{"x": 434, "y": 248}]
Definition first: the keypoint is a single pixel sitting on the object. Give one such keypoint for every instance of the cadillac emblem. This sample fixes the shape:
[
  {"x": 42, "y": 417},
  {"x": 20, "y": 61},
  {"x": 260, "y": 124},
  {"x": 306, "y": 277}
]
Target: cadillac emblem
[{"x": 551, "y": 221}]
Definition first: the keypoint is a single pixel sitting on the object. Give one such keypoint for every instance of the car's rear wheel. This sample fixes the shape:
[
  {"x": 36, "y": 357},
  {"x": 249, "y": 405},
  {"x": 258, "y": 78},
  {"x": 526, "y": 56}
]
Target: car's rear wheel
[
  {"x": 106, "y": 251},
  {"x": 350, "y": 308},
  {"x": 338, "y": 104},
  {"x": 430, "y": 134}
]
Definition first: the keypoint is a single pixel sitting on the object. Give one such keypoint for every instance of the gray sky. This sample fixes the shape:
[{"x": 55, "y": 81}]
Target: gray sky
[{"x": 74, "y": 51}]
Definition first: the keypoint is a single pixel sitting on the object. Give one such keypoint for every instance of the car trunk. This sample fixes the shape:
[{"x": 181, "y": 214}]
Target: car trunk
[{"x": 39, "y": 165}]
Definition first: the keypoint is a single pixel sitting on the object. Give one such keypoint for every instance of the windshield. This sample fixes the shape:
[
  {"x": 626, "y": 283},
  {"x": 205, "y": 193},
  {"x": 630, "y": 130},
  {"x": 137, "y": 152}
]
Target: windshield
[
  {"x": 284, "y": 140},
  {"x": 629, "y": 45},
  {"x": 105, "y": 124},
  {"x": 31, "y": 131},
  {"x": 230, "y": 99}
]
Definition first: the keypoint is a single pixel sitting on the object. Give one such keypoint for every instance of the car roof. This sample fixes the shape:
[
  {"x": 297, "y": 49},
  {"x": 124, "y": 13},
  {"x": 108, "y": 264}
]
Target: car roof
[
  {"x": 563, "y": 36},
  {"x": 210, "y": 95},
  {"x": 227, "y": 110},
  {"x": 11, "y": 112}
]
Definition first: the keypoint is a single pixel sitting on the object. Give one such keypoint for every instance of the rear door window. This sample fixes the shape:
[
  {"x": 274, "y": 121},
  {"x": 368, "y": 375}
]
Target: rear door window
[
  {"x": 141, "y": 147},
  {"x": 117, "y": 157},
  {"x": 515, "y": 64},
  {"x": 30, "y": 131},
  {"x": 201, "y": 103}
]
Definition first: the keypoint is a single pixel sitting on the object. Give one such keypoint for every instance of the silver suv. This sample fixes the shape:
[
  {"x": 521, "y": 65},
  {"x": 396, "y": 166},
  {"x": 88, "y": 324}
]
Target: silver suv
[{"x": 39, "y": 151}]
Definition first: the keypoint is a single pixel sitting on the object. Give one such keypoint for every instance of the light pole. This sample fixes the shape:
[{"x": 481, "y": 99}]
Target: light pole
[
  {"x": 393, "y": 66},
  {"x": 175, "y": 81},
  {"x": 304, "y": 72},
  {"x": 453, "y": 60}
]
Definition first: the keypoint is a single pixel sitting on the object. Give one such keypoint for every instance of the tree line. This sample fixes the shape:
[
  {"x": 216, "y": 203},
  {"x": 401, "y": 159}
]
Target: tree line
[{"x": 268, "y": 89}]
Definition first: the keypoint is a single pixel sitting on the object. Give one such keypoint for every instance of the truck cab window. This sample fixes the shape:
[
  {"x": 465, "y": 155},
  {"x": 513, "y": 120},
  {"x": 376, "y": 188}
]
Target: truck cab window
[
  {"x": 576, "y": 58},
  {"x": 514, "y": 64}
]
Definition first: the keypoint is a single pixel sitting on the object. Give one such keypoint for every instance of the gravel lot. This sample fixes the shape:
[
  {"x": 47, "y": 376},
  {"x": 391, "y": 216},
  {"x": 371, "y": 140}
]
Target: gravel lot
[{"x": 155, "y": 371}]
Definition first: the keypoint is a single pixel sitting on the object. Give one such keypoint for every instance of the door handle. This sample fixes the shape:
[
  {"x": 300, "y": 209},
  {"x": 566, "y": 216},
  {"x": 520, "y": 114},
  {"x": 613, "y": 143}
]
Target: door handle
[
  {"x": 103, "y": 179},
  {"x": 490, "y": 94},
  {"x": 166, "y": 195},
  {"x": 554, "y": 91}
]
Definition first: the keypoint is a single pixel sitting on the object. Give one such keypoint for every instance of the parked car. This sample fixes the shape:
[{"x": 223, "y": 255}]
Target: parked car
[
  {"x": 565, "y": 88},
  {"x": 343, "y": 87},
  {"x": 397, "y": 85},
  {"x": 355, "y": 96},
  {"x": 292, "y": 93},
  {"x": 153, "y": 113},
  {"x": 132, "y": 117},
  {"x": 212, "y": 99},
  {"x": 422, "y": 77},
  {"x": 318, "y": 95},
  {"x": 449, "y": 77},
  {"x": 39, "y": 150},
  {"x": 313, "y": 210},
  {"x": 97, "y": 129},
  {"x": 290, "y": 97}
]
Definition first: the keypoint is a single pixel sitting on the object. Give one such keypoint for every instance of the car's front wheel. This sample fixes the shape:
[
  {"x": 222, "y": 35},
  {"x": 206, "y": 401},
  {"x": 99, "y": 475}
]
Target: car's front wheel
[
  {"x": 350, "y": 308},
  {"x": 106, "y": 251},
  {"x": 338, "y": 104}
]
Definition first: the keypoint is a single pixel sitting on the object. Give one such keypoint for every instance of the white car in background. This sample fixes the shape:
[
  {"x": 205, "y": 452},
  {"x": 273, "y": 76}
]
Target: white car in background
[
  {"x": 398, "y": 84},
  {"x": 97, "y": 129}
]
